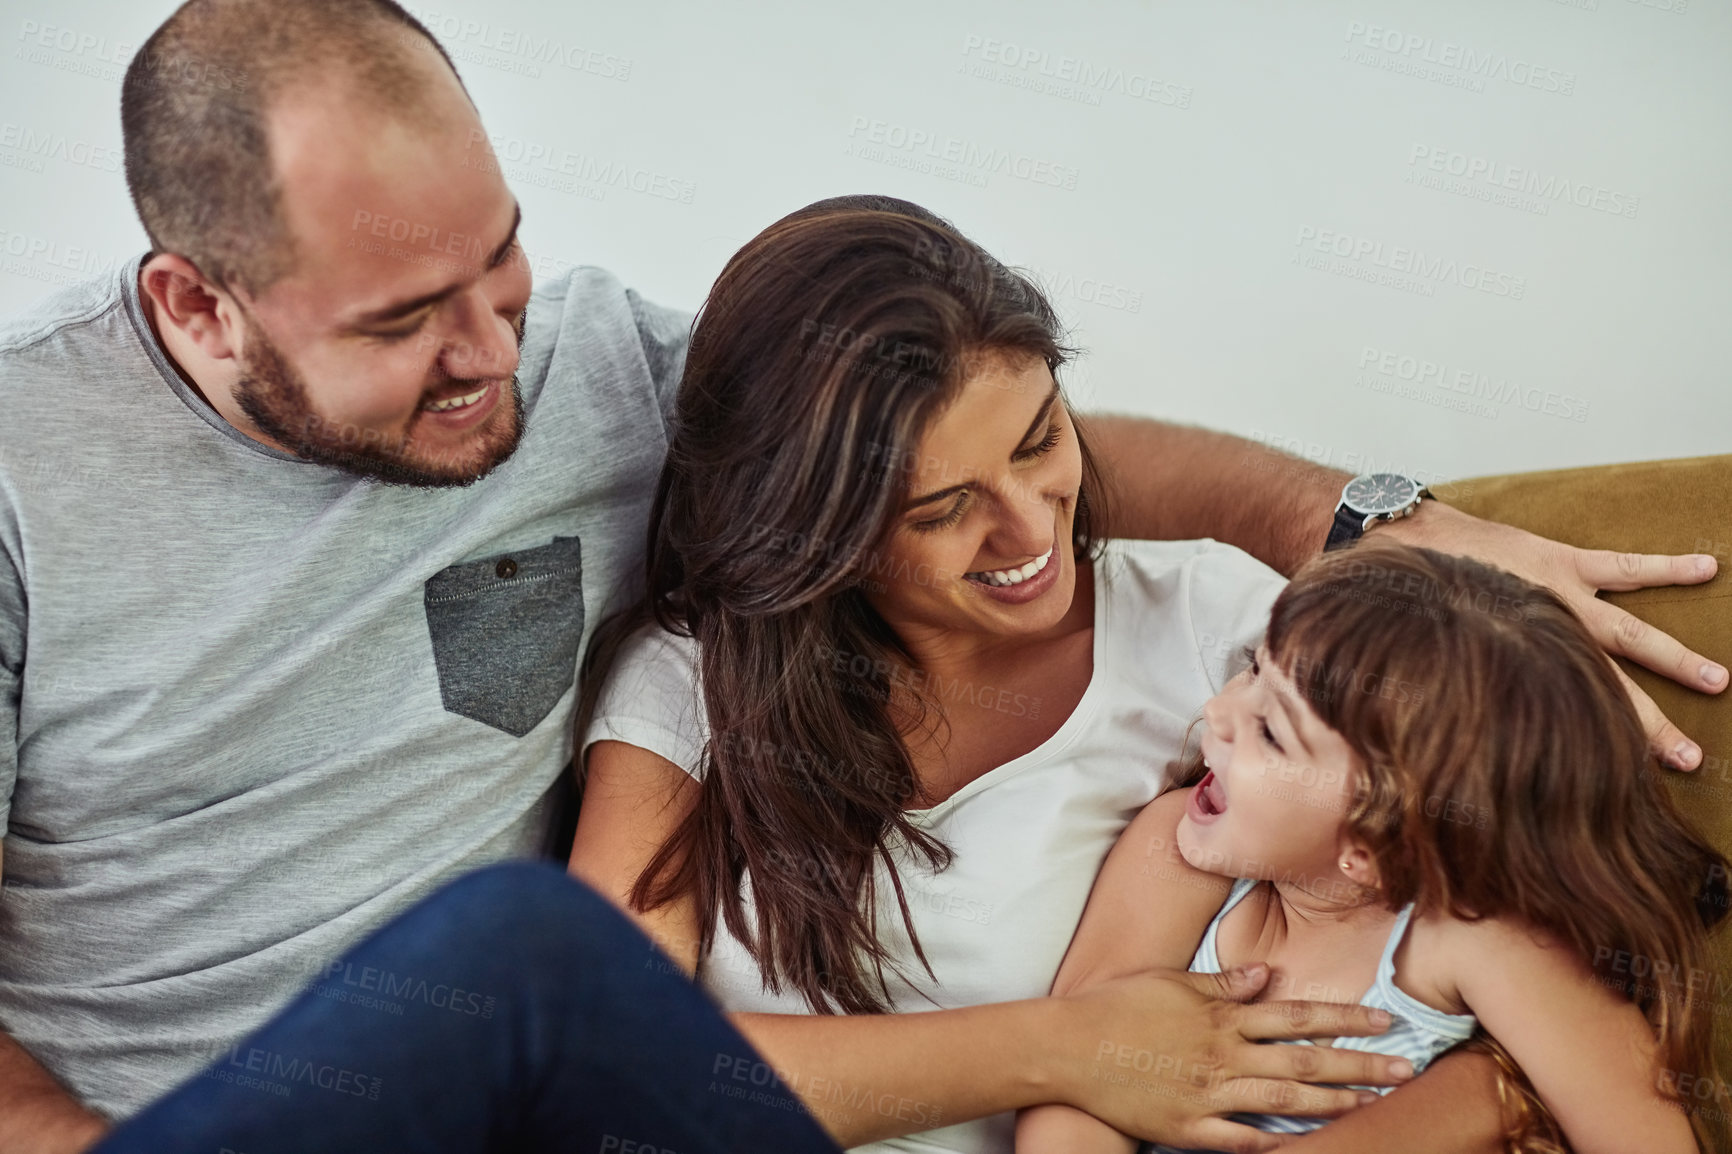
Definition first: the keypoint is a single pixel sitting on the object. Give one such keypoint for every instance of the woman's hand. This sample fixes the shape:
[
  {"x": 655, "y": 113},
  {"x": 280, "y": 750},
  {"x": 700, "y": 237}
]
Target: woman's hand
[{"x": 1163, "y": 1055}]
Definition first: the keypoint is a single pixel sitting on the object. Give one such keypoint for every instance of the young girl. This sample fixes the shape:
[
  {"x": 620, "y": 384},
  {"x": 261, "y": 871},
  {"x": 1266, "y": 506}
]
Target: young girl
[{"x": 1429, "y": 794}]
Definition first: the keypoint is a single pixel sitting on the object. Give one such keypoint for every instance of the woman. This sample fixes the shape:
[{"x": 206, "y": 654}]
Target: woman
[{"x": 889, "y": 699}]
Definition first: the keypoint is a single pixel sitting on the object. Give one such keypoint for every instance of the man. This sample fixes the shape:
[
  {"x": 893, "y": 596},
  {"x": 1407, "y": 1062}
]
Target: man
[{"x": 294, "y": 641}]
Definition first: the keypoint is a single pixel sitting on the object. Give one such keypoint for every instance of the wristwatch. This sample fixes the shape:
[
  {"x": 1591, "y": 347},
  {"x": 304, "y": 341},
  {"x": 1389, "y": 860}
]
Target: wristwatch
[{"x": 1372, "y": 497}]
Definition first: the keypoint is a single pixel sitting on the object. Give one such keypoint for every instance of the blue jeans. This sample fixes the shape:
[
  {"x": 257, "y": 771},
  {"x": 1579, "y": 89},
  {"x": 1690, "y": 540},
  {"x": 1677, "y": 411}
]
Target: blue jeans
[{"x": 514, "y": 1010}]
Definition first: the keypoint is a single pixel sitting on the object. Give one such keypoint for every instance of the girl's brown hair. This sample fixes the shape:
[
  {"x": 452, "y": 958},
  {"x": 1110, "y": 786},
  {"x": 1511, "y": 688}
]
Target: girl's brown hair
[
  {"x": 1508, "y": 775},
  {"x": 827, "y": 345}
]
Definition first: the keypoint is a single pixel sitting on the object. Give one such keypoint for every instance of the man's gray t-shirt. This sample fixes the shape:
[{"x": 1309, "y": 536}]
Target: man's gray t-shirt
[{"x": 252, "y": 707}]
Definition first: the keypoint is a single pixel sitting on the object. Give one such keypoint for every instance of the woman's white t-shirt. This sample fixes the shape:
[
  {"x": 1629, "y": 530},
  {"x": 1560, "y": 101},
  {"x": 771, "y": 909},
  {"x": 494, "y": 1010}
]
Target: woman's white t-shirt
[{"x": 1172, "y": 619}]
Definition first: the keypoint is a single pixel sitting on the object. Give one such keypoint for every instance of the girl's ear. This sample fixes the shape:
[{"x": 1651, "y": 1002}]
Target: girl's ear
[{"x": 1357, "y": 864}]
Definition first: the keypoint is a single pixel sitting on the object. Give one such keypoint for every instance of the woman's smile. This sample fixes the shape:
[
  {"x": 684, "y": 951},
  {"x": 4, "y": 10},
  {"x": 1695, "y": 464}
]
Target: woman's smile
[
  {"x": 1013, "y": 576},
  {"x": 1020, "y": 585}
]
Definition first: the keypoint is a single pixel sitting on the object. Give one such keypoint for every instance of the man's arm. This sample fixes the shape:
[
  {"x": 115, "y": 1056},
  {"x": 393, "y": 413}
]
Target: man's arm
[
  {"x": 1170, "y": 482},
  {"x": 37, "y": 1115},
  {"x": 1452, "y": 1108},
  {"x": 1178, "y": 482}
]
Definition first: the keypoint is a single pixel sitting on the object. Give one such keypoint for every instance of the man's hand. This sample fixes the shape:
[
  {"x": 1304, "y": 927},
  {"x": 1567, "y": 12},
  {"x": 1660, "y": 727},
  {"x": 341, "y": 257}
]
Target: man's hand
[
  {"x": 1174, "y": 482},
  {"x": 1163, "y": 1055},
  {"x": 37, "y": 1115},
  {"x": 1577, "y": 575}
]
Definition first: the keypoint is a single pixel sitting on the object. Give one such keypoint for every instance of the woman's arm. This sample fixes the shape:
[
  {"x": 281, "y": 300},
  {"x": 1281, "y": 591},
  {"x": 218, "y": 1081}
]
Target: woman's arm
[
  {"x": 1587, "y": 1050},
  {"x": 1186, "y": 1054},
  {"x": 1151, "y": 907},
  {"x": 633, "y": 800},
  {"x": 1161, "y": 1055},
  {"x": 1148, "y": 908}
]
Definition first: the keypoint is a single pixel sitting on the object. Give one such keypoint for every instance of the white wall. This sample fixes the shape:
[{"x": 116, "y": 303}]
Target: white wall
[{"x": 1180, "y": 189}]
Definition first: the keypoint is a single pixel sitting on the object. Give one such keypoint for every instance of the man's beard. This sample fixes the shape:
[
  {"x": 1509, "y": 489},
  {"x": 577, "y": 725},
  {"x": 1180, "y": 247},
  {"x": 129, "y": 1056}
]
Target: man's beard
[{"x": 274, "y": 396}]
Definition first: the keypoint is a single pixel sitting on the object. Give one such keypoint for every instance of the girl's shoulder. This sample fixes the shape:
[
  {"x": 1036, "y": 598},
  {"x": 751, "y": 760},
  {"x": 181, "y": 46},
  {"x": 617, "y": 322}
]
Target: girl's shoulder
[
  {"x": 1427, "y": 960},
  {"x": 1442, "y": 953}
]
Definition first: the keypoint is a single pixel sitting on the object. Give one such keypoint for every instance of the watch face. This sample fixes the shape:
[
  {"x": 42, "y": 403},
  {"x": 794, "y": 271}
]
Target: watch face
[{"x": 1380, "y": 493}]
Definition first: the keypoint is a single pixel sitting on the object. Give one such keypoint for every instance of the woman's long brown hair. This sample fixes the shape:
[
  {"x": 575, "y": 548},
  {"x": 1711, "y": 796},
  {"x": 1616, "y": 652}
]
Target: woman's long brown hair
[
  {"x": 1508, "y": 775},
  {"x": 826, "y": 347}
]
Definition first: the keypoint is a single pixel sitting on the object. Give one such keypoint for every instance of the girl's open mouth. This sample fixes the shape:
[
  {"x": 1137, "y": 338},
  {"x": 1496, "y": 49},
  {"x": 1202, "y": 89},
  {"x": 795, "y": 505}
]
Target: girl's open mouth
[{"x": 1208, "y": 800}]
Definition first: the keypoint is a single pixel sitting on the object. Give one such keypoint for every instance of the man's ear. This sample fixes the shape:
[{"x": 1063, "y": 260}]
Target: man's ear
[{"x": 203, "y": 313}]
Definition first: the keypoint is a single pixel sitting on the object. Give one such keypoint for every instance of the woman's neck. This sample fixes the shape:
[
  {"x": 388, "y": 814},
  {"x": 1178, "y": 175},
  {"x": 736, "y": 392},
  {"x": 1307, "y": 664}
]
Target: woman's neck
[
  {"x": 963, "y": 709},
  {"x": 959, "y": 653}
]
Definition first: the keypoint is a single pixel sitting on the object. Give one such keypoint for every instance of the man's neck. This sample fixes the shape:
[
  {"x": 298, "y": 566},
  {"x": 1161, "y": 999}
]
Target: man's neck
[
  {"x": 148, "y": 303},
  {"x": 178, "y": 352}
]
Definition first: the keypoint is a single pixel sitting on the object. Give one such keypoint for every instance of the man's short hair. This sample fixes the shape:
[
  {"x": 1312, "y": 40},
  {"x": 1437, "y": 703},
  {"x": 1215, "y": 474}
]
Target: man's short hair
[{"x": 193, "y": 107}]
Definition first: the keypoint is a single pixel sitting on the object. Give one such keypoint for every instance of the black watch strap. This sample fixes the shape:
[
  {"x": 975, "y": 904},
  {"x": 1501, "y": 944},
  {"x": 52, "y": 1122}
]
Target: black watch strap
[{"x": 1348, "y": 528}]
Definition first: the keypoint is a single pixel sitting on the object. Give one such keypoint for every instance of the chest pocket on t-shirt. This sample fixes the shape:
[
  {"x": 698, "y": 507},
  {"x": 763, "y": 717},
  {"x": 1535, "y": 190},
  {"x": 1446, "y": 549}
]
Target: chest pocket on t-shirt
[{"x": 505, "y": 633}]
